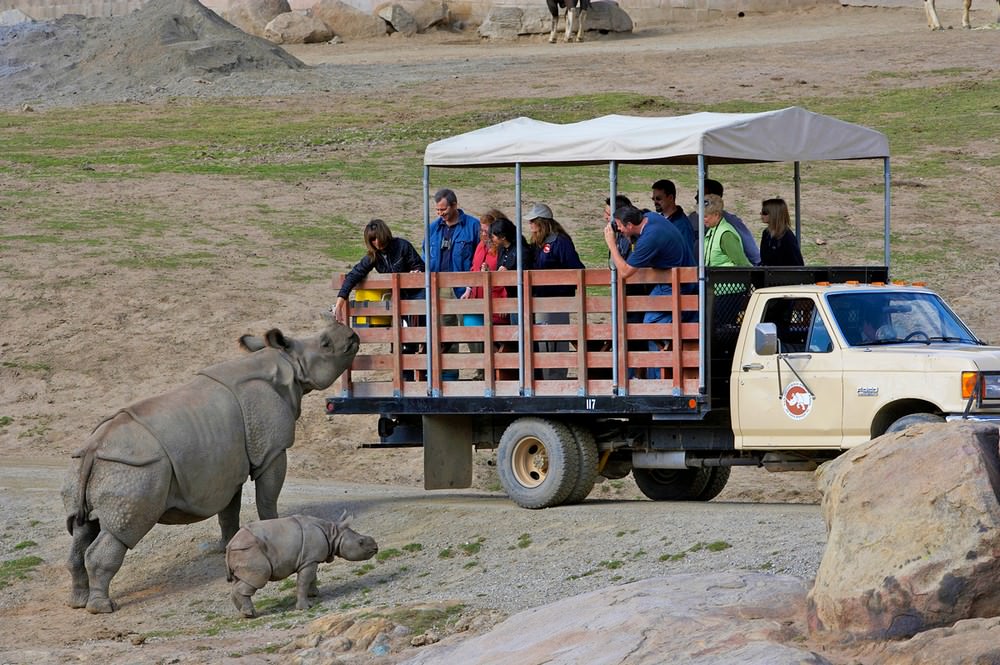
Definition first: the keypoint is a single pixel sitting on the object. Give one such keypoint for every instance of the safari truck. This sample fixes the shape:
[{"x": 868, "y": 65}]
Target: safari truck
[{"x": 775, "y": 367}]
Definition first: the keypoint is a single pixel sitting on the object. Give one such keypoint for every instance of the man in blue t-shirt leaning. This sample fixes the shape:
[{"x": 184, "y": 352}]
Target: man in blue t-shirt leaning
[{"x": 658, "y": 244}]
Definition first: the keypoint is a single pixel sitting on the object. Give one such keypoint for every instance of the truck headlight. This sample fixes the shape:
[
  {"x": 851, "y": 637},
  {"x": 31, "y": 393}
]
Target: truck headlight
[{"x": 989, "y": 387}]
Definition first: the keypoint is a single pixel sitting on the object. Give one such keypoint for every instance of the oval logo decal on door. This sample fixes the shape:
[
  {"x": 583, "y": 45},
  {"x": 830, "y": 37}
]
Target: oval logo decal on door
[{"x": 796, "y": 401}]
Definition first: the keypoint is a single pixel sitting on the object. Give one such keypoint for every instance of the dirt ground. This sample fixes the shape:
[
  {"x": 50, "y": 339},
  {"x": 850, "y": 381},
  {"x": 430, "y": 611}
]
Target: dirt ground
[{"x": 81, "y": 338}]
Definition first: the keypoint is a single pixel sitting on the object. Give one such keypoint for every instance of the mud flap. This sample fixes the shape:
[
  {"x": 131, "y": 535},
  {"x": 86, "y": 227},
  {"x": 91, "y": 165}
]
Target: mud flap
[{"x": 447, "y": 452}]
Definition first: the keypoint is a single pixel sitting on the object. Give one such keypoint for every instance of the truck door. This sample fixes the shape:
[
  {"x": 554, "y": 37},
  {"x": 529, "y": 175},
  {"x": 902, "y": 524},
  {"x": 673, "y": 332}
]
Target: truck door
[{"x": 772, "y": 406}]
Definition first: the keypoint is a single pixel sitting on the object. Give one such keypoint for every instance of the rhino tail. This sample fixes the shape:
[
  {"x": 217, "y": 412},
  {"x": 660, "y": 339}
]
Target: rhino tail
[{"x": 86, "y": 468}]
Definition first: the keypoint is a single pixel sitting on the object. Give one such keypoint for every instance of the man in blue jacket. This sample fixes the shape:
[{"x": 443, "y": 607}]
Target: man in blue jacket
[{"x": 452, "y": 240}]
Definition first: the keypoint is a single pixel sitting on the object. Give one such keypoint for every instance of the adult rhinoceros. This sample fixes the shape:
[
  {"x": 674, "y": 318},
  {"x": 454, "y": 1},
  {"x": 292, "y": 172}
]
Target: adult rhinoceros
[{"x": 183, "y": 456}]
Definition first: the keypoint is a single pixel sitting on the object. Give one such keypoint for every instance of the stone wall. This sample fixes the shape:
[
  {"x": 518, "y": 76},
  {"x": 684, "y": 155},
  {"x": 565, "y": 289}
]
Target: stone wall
[{"x": 642, "y": 12}]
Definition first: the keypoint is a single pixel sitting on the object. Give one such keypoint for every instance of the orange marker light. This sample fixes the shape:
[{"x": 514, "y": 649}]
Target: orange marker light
[{"x": 969, "y": 383}]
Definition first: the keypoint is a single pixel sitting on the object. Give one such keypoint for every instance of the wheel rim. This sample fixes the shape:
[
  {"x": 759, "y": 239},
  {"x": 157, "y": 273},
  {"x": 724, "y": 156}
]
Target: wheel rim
[{"x": 530, "y": 462}]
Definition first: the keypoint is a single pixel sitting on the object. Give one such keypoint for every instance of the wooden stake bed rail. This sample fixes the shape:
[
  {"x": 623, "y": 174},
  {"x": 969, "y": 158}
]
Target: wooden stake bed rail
[{"x": 393, "y": 360}]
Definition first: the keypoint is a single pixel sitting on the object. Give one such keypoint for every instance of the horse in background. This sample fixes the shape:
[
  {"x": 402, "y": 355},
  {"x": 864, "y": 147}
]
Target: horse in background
[
  {"x": 574, "y": 15},
  {"x": 932, "y": 18}
]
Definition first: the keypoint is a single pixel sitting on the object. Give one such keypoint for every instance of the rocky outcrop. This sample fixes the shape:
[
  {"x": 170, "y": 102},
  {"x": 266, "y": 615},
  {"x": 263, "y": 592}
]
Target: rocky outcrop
[
  {"x": 914, "y": 533},
  {"x": 295, "y": 28},
  {"x": 510, "y": 21},
  {"x": 730, "y": 617},
  {"x": 347, "y": 22},
  {"x": 252, "y": 16},
  {"x": 398, "y": 18},
  {"x": 10, "y": 17}
]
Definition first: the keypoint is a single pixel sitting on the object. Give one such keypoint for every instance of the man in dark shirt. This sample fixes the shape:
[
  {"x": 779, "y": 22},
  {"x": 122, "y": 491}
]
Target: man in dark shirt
[{"x": 658, "y": 244}]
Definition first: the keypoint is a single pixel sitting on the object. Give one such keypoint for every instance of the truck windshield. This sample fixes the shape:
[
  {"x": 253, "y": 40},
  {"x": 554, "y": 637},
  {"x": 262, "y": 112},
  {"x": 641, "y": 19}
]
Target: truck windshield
[{"x": 870, "y": 318}]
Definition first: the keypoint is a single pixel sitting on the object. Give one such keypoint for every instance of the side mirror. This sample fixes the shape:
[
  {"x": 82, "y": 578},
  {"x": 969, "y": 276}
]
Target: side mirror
[{"x": 766, "y": 339}]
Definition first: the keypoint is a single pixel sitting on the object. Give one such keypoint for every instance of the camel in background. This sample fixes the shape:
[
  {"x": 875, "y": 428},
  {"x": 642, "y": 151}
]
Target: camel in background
[{"x": 935, "y": 24}]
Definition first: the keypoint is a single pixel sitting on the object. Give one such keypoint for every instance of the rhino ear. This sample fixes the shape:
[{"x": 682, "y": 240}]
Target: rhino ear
[
  {"x": 275, "y": 339},
  {"x": 252, "y": 343}
]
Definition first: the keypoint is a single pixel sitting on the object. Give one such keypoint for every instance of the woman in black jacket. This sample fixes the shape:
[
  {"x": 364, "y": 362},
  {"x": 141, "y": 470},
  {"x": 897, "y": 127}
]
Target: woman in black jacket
[
  {"x": 386, "y": 254},
  {"x": 778, "y": 244}
]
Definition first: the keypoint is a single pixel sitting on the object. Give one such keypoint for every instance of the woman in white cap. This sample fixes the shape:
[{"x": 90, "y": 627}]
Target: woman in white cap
[{"x": 554, "y": 248}]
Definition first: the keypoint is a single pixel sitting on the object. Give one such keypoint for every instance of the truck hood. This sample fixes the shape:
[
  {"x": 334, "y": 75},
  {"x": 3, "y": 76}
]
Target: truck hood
[{"x": 923, "y": 357}]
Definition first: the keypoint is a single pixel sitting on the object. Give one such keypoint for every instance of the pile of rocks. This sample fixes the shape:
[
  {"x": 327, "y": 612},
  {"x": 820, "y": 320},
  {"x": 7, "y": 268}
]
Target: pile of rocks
[{"x": 326, "y": 20}]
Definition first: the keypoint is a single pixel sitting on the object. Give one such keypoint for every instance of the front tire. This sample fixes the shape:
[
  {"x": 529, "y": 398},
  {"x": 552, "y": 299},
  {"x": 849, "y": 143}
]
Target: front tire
[
  {"x": 673, "y": 484},
  {"x": 538, "y": 462},
  {"x": 913, "y": 419}
]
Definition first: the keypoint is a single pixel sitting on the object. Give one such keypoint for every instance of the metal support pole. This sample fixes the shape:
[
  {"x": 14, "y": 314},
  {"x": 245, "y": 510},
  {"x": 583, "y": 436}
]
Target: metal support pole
[
  {"x": 615, "y": 370},
  {"x": 518, "y": 222},
  {"x": 427, "y": 281},
  {"x": 702, "y": 361}
]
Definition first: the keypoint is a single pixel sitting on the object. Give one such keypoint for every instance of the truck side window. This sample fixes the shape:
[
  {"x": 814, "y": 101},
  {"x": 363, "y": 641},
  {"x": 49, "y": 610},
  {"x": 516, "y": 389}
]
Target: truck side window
[
  {"x": 793, "y": 318},
  {"x": 819, "y": 337}
]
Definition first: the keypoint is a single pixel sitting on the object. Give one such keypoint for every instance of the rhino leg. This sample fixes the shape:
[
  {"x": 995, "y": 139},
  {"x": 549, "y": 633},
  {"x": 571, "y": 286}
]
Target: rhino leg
[
  {"x": 104, "y": 558},
  {"x": 83, "y": 535},
  {"x": 268, "y": 487},
  {"x": 241, "y": 594},
  {"x": 306, "y": 585},
  {"x": 229, "y": 517}
]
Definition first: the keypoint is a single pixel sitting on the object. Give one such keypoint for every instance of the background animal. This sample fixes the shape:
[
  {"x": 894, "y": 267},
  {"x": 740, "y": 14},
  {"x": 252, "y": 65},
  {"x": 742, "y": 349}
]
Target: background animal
[
  {"x": 573, "y": 15},
  {"x": 183, "y": 456},
  {"x": 271, "y": 550},
  {"x": 934, "y": 23}
]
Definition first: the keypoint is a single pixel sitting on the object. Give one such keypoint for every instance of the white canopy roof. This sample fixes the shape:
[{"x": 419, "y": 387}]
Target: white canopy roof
[{"x": 786, "y": 135}]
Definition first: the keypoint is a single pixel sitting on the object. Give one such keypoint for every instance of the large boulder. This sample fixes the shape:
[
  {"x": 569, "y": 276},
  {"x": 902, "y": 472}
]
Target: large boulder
[
  {"x": 10, "y": 17},
  {"x": 726, "y": 617},
  {"x": 914, "y": 532},
  {"x": 294, "y": 28},
  {"x": 252, "y": 16},
  {"x": 511, "y": 21},
  {"x": 398, "y": 18},
  {"x": 346, "y": 21},
  {"x": 427, "y": 13}
]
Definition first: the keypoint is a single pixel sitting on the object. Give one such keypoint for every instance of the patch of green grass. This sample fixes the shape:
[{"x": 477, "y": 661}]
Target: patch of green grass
[
  {"x": 421, "y": 619},
  {"x": 524, "y": 541},
  {"x": 413, "y": 547},
  {"x": 28, "y": 366},
  {"x": 25, "y": 544},
  {"x": 385, "y": 555},
  {"x": 472, "y": 547},
  {"x": 677, "y": 556},
  {"x": 17, "y": 569},
  {"x": 471, "y": 564},
  {"x": 446, "y": 553},
  {"x": 5, "y": 420},
  {"x": 364, "y": 568},
  {"x": 612, "y": 564}
]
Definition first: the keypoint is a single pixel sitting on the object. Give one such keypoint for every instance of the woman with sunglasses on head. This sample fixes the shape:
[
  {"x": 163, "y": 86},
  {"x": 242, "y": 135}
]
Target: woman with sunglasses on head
[
  {"x": 386, "y": 254},
  {"x": 778, "y": 244}
]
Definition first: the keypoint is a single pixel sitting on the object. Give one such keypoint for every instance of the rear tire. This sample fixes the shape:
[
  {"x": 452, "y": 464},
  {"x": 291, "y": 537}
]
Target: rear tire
[
  {"x": 716, "y": 483},
  {"x": 587, "y": 472},
  {"x": 673, "y": 484},
  {"x": 913, "y": 419},
  {"x": 538, "y": 462}
]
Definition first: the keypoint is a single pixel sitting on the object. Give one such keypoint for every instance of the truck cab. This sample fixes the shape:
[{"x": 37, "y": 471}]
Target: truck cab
[{"x": 829, "y": 366}]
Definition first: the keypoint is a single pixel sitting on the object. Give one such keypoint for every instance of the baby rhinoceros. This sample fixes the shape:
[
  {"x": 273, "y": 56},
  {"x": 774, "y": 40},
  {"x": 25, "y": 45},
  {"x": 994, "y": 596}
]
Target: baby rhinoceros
[{"x": 271, "y": 550}]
